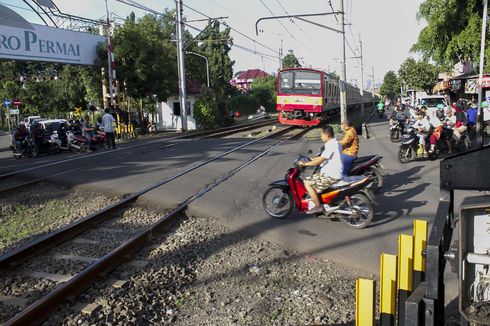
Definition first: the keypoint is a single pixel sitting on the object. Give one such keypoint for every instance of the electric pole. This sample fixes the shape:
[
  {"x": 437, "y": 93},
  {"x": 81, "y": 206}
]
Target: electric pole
[
  {"x": 362, "y": 76},
  {"x": 181, "y": 66},
  {"x": 479, "y": 122},
  {"x": 280, "y": 56},
  {"x": 343, "y": 78},
  {"x": 372, "y": 86}
]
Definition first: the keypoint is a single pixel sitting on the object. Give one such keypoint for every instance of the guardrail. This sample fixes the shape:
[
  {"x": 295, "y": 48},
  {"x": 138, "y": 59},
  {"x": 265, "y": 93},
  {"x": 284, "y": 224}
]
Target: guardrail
[{"x": 399, "y": 275}]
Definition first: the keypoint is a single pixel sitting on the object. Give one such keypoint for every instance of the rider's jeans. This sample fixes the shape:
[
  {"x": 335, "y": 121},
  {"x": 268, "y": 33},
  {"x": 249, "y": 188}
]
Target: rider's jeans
[{"x": 347, "y": 162}]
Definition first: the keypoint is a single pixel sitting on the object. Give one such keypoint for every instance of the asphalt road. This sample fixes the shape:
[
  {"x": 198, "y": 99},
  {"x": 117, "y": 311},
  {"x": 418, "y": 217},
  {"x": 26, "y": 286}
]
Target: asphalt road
[{"x": 411, "y": 191}]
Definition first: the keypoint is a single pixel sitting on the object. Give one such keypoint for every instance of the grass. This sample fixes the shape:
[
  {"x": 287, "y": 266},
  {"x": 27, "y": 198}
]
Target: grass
[{"x": 23, "y": 223}]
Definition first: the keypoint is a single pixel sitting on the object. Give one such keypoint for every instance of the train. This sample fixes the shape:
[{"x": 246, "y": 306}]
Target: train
[{"x": 306, "y": 97}]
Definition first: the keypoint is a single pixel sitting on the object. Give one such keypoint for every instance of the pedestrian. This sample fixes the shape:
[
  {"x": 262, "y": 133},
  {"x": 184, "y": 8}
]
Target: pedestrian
[{"x": 108, "y": 125}]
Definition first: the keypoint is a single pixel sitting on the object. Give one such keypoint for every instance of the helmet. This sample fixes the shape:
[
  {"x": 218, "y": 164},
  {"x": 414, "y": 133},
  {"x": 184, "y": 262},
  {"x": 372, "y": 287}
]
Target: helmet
[
  {"x": 484, "y": 104},
  {"x": 440, "y": 106}
]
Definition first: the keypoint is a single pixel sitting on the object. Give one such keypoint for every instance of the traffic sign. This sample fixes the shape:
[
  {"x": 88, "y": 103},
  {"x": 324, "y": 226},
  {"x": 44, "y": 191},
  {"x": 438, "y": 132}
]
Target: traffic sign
[
  {"x": 17, "y": 102},
  {"x": 14, "y": 111},
  {"x": 6, "y": 102}
]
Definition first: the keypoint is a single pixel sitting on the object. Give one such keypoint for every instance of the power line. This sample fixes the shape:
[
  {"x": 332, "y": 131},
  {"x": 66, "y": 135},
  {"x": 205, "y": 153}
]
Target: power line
[{"x": 233, "y": 29}]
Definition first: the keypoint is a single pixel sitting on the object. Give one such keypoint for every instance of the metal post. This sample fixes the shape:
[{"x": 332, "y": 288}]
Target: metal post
[
  {"x": 180, "y": 62},
  {"x": 280, "y": 56},
  {"x": 479, "y": 123},
  {"x": 372, "y": 86},
  {"x": 207, "y": 63},
  {"x": 343, "y": 78},
  {"x": 362, "y": 77},
  {"x": 109, "y": 55}
]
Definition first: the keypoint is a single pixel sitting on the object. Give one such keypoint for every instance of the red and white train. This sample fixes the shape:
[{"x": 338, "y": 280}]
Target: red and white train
[{"x": 305, "y": 96}]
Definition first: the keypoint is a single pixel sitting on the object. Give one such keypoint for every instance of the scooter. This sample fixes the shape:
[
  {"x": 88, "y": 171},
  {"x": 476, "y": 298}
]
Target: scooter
[
  {"x": 27, "y": 148},
  {"x": 409, "y": 149},
  {"x": 396, "y": 130},
  {"x": 350, "y": 199}
]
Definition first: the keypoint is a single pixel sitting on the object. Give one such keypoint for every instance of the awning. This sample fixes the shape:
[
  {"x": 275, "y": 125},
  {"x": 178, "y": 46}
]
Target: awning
[{"x": 441, "y": 86}]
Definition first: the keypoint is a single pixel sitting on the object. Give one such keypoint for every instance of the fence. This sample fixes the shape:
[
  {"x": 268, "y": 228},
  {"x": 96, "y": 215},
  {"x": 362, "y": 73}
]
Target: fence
[
  {"x": 399, "y": 275},
  {"x": 124, "y": 131}
]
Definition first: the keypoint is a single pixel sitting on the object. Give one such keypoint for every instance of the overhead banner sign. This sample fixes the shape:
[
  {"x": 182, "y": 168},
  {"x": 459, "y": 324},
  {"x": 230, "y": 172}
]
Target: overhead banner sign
[{"x": 32, "y": 42}]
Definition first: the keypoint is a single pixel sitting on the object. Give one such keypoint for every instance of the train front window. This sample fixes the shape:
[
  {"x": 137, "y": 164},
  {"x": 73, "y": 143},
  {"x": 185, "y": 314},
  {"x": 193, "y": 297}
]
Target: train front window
[{"x": 300, "y": 82}]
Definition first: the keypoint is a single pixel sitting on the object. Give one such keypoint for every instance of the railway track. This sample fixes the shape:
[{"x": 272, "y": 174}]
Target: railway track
[
  {"x": 10, "y": 186},
  {"x": 87, "y": 269}
]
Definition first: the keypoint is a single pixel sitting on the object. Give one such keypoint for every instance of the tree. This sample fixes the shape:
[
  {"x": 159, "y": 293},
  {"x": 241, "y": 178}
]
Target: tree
[
  {"x": 391, "y": 85},
  {"x": 290, "y": 61},
  {"x": 452, "y": 32},
  {"x": 418, "y": 75},
  {"x": 264, "y": 92}
]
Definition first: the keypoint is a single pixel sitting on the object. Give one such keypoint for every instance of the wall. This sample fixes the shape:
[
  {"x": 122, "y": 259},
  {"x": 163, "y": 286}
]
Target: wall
[{"x": 166, "y": 120}]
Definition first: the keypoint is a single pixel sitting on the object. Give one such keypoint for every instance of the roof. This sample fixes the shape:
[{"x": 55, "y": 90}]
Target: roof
[{"x": 252, "y": 74}]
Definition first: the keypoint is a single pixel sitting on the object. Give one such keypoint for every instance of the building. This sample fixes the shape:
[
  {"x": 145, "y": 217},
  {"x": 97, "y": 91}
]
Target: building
[
  {"x": 169, "y": 116},
  {"x": 243, "y": 79}
]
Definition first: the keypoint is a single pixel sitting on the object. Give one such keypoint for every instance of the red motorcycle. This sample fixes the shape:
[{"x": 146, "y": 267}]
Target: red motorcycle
[{"x": 350, "y": 199}]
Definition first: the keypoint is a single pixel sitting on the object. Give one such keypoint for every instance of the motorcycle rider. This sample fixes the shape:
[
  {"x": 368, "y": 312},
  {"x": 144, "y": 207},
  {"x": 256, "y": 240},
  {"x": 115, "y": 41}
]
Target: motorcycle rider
[
  {"x": 87, "y": 133},
  {"x": 422, "y": 126},
  {"x": 449, "y": 125},
  {"x": 20, "y": 134},
  {"x": 380, "y": 107},
  {"x": 331, "y": 168},
  {"x": 350, "y": 145}
]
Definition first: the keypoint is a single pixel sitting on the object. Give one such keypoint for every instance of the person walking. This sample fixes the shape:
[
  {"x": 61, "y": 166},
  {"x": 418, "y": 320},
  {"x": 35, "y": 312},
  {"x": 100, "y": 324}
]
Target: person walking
[{"x": 108, "y": 125}]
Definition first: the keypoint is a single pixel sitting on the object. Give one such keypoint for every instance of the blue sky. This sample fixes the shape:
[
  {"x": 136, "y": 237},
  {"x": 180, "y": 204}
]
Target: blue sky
[{"x": 388, "y": 29}]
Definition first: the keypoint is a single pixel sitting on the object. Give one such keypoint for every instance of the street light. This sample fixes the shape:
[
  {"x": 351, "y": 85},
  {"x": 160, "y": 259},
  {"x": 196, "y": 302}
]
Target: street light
[{"x": 207, "y": 63}]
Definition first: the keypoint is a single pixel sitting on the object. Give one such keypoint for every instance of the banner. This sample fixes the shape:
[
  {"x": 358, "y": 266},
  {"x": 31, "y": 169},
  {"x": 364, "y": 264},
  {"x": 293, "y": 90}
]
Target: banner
[{"x": 21, "y": 40}]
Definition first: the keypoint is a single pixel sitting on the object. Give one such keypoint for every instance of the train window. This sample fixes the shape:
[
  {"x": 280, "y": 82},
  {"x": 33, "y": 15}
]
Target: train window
[
  {"x": 286, "y": 84},
  {"x": 307, "y": 80}
]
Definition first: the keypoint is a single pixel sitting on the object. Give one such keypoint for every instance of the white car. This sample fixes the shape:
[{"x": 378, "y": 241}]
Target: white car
[{"x": 431, "y": 102}]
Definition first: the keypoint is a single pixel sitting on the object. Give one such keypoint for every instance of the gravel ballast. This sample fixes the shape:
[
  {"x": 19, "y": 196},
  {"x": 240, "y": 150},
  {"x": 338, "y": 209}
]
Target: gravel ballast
[{"x": 200, "y": 273}]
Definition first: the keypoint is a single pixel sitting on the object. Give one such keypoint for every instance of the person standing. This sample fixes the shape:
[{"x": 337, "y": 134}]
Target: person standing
[{"x": 108, "y": 124}]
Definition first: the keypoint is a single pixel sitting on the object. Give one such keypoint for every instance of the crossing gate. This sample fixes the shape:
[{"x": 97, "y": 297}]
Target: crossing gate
[{"x": 399, "y": 275}]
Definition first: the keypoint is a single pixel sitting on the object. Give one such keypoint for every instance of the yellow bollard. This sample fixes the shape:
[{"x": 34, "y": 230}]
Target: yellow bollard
[
  {"x": 405, "y": 273},
  {"x": 387, "y": 300},
  {"x": 365, "y": 302},
  {"x": 419, "y": 243}
]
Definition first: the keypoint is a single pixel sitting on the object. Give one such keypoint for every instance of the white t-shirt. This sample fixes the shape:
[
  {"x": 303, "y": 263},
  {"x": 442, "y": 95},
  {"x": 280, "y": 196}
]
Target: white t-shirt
[
  {"x": 422, "y": 123},
  {"x": 452, "y": 121},
  {"x": 107, "y": 120},
  {"x": 332, "y": 167}
]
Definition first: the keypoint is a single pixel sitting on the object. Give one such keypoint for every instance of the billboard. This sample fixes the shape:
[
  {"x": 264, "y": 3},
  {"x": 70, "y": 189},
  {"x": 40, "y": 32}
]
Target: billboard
[{"x": 21, "y": 40}]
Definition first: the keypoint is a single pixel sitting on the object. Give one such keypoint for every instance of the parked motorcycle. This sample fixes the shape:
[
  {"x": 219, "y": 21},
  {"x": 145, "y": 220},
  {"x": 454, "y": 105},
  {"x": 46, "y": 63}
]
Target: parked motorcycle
[
  {"x": 27, "y": 149},
  {"x": 410, "y": 146},
  {"x": 350, "y": 199}
]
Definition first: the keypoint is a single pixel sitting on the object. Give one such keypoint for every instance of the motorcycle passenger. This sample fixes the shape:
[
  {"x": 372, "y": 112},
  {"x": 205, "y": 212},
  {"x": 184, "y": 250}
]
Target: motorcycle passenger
[
  {"x": 20, "y": 134},
  {"x": 461, "y": 121},
  {"x": 422, "y": 126},
  {"x": 449, "y": 125},
  {"x": 331, "y": 168},
  {"x": 38, "y": 135},
  {"x": 471, "y": 115},
  {"x": 350, "y": 145},
  {"x": 87, "y": 132},
  {"x": 77, "y": 127}
]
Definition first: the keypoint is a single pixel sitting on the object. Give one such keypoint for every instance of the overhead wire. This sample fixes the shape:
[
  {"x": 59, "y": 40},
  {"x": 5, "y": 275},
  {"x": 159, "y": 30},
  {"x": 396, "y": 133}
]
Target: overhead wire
[{"x": 233, "y": 29}]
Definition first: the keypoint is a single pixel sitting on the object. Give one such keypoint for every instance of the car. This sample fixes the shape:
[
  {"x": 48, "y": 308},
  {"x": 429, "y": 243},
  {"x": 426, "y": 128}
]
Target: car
[
  {"x": 30, "y": 119},
  {"x": 54, "y": 123},
  {"x": 431, "y": 102}
]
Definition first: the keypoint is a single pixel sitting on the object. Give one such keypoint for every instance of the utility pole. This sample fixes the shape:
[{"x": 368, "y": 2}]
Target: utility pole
[
  {"x": 181, "y": 66},
  {"x": 362, "y": 76},
  {"x": 372, "y": 86},
  {"x": 280, "y": 56},
  {"x": 479, "y": 123},
  {"x": 111, "y": 72},
  {"x": 343, "y": 94}
]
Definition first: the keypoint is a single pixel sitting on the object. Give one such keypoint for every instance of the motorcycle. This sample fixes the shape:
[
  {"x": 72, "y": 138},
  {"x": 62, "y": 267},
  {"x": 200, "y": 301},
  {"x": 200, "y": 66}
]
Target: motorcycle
[
  {"x": 27, "y": 148},
  {"x": 396, "y": 130},
  {"x": 410, "y": 146},
  {"x": 350, "y": 199},
  {"x": 381, "y": 112}
]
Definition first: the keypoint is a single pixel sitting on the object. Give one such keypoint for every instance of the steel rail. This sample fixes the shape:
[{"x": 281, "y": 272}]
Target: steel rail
[
  {"x": 38, "y": 311},
  {"x": 202, "y": 134},
  {"x": 47, "y": 241}
]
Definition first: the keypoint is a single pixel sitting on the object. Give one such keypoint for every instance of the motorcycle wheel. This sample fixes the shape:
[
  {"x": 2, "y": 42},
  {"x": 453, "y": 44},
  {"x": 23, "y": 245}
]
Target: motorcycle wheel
[
  {"x": 18, "y": 156},
  {"x": 277, "y": 203},
  {"x": 395, "y": 136},
  {"x": 35, "y": 151},
  {"x": 363, "y": 208},
  {"x": 53, "y": 149},
  {"x": 406, "y": 154},
  {"x": 377, "y": 177},
  {"x": 75, "y": 150}
]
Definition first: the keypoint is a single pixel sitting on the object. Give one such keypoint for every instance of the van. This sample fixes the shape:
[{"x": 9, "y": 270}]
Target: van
[{"x": 28, "y": 121}]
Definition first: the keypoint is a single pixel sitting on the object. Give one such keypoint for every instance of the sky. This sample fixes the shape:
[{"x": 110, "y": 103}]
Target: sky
[{"x": 387, "y": 28}]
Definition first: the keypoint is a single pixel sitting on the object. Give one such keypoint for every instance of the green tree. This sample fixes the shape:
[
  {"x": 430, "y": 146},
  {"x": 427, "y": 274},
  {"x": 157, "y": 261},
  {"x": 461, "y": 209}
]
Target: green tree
[
  {"x": 290, "y": 60},
  {"x": 418, "y": 75},
  {"x": 391, "y": 85},
  {"x": 452, "y": 32},
  {"x": 264, "y": 92}
]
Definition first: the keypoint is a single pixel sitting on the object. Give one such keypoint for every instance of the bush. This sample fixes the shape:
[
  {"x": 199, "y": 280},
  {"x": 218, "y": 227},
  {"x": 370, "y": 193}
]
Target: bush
[{"x": 245, "y": 104}]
